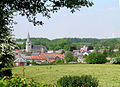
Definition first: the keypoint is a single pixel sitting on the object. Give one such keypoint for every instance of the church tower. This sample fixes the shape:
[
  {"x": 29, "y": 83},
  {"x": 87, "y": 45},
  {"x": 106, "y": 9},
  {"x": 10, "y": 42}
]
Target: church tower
[{"x": 28, "y": 44}]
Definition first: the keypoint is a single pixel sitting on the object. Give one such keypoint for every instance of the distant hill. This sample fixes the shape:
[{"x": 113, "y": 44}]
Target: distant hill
[{"x": 78, "y": 42}]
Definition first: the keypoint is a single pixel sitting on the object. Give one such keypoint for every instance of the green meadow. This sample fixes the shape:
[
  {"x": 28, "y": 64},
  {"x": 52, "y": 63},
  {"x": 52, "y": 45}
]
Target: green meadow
[{"x": 107, "y": 74}]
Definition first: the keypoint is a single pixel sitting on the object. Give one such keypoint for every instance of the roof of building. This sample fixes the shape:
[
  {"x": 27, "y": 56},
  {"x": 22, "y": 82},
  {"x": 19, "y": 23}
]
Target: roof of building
[
  {"x": 57, "y": 54},
  {"x": 86, "y": 52},
  {"x": 52, "y": 60},
  {"x": 38, "y": 57},
  {"x": 27, "y": 57},
  {"x": 19, "y": 60},
  {"x": 51, "y": 56},
  {"x": 38, "y": 47}
]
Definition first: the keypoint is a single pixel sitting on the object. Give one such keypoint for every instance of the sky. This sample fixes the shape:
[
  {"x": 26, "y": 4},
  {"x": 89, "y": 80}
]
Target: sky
[{"x": 99, "y": 21}]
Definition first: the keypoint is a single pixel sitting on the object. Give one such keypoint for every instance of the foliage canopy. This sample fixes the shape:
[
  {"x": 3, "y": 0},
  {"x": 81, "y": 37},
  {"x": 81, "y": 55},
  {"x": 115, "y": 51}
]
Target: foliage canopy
[{"x": 96, "y": 58}]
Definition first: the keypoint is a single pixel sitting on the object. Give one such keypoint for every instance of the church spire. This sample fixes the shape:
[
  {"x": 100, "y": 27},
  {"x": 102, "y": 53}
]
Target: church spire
[
  {"x": 28, "y": 38},
  {"x": 28, "y": 44}
]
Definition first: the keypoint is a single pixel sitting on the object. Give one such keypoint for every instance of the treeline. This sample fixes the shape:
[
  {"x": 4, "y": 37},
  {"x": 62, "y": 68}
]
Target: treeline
[
  {"x": 107, "y": 43},
  {"x": 65, "y": 43}
]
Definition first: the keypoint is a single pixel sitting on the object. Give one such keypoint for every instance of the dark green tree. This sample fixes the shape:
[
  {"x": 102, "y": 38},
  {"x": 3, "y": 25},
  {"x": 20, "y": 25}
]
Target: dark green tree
[
  {"x": 67, "y": 47},
  {"x": 96, "y": 58},
  {"x": 57, "y": 47},
  {"x": 101, "y": 58},
  {"x": 91, "y": 58},
  {"x": 62, "y": 52},
  {"x": 69, "y": 57}
]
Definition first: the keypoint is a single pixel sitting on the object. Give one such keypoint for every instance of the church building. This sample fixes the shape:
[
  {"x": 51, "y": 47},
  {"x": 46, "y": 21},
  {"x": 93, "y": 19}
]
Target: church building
[{"x": 35, "y": 50}]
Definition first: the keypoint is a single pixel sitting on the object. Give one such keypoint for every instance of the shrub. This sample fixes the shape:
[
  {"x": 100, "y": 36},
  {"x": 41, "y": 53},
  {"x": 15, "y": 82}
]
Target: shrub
[
  {"x": 5, "y": 72},
  {"x": 20, "y": 82},
  {"x": 78, "y": 81},
  {"x": 89, "y": 81}
]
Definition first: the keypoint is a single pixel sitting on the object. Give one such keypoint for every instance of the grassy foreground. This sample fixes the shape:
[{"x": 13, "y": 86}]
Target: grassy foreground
[{"x": 108, "y": 75}]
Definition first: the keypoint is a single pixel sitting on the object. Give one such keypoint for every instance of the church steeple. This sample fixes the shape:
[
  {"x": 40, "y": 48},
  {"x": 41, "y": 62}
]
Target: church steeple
[
  {"x": 28, "y": 37},
  {"x": 28, "y": 44}
]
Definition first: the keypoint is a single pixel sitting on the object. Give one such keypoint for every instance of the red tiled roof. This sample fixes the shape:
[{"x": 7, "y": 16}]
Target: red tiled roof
[
  {"x": 58, "y": 54},
  {"x": 34, "y": 57},
  {"x": 38, "y": 57},
  {"x": 43, "y": 56},
  {"x": 52, "y": 60}
]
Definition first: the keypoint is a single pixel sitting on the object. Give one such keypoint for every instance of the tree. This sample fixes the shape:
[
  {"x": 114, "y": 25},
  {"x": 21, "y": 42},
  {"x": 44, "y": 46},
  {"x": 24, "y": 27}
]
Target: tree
[
  {"x": 28, "y": 8},
  {"x": 69, "y": 56},
  {"x": 96, "y": 58},
  {"x": 91, "y": 58},
  {"x": 62, "y": 52},
  {"x": 67, "y": 47},
  {"x": 101, "y": 58},
  {"x": 57, "y": 47}
]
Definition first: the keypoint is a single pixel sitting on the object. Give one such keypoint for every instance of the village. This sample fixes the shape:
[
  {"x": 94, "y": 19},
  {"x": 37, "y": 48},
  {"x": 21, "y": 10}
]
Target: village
[{"x": 40, "y": 55}]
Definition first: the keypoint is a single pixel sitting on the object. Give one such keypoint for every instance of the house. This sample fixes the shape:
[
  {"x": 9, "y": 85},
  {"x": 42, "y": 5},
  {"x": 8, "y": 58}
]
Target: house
[
  {"x": 84, "y": 48},
  {"x": 61, "y": 56},
  {"x": 60, "y": 51},
  {"x": 47, "y": 57},
  {"x": 38, "y": 58},
  {"x": 76, "y": 52},
  {"x": 50, "y": 51},
  {"x": 86, "y": 53},
  {"x": 20, "y": 62}
]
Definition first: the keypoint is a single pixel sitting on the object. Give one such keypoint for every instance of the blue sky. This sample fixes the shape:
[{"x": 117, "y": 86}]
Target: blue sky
[{"x": 99, "y": 21}]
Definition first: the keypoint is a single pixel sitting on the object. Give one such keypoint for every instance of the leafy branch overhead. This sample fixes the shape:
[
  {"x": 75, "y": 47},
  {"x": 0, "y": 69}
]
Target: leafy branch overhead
[{"x": 30, "y": 8}]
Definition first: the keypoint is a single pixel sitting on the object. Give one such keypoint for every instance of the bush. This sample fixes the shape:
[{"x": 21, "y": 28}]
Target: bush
[
  {"x": 78, "y": 81},
  {"x": 5, "y": 72},
  {"x": 20, "y": 82}
]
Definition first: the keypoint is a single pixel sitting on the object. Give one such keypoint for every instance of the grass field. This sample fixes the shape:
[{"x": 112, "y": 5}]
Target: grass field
[{"x": 108, "y": 75}]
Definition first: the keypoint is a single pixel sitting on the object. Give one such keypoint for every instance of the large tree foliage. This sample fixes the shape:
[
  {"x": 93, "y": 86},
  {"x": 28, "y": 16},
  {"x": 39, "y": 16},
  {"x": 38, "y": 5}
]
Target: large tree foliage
[
  {"x": 96, "y": 58},
  {"x": 69, "y": 57},
  {"x": 28, "y": 8}
]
